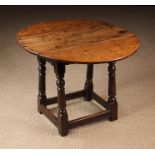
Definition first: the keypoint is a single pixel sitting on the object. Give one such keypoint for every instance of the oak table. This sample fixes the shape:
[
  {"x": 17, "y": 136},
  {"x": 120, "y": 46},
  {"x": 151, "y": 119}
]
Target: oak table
[{"x": 78, "y": 41}]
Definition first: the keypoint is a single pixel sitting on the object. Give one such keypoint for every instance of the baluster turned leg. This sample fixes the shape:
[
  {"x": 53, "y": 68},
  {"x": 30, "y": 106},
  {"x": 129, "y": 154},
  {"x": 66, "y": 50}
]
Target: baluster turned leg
[
  {"x": 89, "y": 83},
  {"x": 112, "y": 91},
  {"x": 42, "y": 86},
  {"x": 59, "y": 69}
]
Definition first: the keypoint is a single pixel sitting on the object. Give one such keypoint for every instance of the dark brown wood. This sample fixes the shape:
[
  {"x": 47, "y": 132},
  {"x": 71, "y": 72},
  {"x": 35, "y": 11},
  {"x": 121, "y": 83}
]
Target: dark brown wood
[
  {"x": 88, "y": 119},
  {"x": 78, "y": 41},
  {"x": 42, "y": 84},
  {"x": 68, "y": 96},
  {"x": 100, "y": 100},
  {"x": 89, "y": 83},
  {"x": 112, "y": 92},
  {"x": 59, "y": 69},
  {"x": 49, "y": 115}
]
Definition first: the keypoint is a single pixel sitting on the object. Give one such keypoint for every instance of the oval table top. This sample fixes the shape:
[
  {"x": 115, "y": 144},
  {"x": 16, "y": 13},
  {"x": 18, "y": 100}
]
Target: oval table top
[{"x": 78, "y": 41}]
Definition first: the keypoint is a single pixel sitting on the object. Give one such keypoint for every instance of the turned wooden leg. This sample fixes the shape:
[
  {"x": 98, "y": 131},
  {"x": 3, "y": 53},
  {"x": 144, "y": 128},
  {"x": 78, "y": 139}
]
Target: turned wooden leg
[
  {"x": 88, "y": 89},
  {"x": 42, "y": 86},
  {"x": 62, "y": 115},
  {"x": 112, "y": 92}
]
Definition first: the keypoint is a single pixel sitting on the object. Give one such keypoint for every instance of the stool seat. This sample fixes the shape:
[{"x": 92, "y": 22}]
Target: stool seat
[{"x": 78, "y": 41}]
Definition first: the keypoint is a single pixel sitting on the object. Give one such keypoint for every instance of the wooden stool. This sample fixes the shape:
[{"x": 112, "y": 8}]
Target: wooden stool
[{"x": 64, "y": 42}]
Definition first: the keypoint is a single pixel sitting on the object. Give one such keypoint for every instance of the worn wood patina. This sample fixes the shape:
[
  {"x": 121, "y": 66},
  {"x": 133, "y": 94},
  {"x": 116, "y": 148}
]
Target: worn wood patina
[{"x": 78, "y": 41}]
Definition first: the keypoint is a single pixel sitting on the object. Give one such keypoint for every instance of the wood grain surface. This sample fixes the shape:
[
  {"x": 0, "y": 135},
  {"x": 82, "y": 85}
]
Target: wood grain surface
[{"x": 78, "y": 41}]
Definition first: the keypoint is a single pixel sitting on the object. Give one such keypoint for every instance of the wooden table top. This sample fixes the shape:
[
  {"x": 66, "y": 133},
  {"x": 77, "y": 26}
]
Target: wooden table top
[{"x": 78, "y": 41}]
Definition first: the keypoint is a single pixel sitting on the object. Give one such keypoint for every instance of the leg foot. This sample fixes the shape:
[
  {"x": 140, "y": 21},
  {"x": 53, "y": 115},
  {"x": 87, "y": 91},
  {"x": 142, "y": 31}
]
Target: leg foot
[
  {"x": 63, "y": 122},
  {"x": 113, "y": 108},
  {"x": 39, "y": 109}
]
